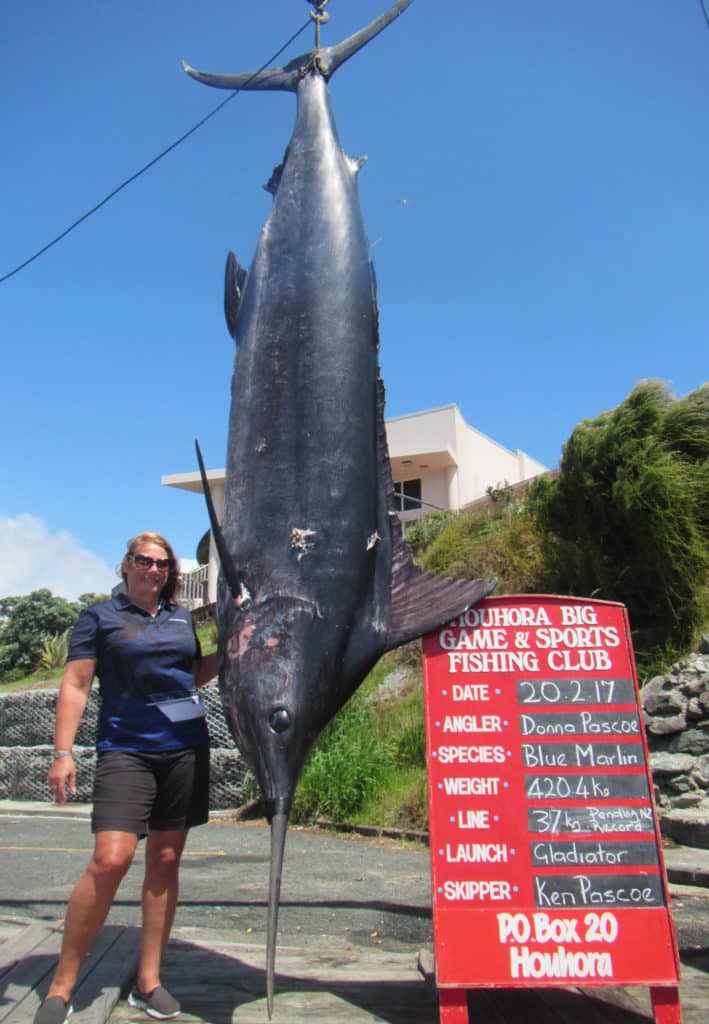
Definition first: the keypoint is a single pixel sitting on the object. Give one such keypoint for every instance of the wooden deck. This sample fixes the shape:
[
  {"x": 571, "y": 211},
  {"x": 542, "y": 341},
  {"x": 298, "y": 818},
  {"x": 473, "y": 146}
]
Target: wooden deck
[
  {"x": 27, "y": 961},
  {"x": 222, "y": 982}
]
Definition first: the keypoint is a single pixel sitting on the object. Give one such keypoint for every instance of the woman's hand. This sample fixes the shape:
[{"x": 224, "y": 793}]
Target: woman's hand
[{"x": 62, "y": 775}]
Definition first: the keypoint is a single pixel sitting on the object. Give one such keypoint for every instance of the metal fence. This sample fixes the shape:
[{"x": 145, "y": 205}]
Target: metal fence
[{"x": 26, "y": 748}]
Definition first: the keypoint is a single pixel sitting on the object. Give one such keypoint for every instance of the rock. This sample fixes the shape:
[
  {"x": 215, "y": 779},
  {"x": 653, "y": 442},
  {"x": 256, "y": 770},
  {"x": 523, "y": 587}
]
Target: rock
[
  {"x": 658, "y": 697},
  {"x": 687, "y": 800},
  {"x": 665, "y": 708},
  {"x": 688, "y": 826},
  {"x": 700, "y": 771},
  {"x": 692, "y": 741},
  {"x": 680, "y": 784},
  {"x": 662, "y": 726},
  {"x": 662, "y": 765}
]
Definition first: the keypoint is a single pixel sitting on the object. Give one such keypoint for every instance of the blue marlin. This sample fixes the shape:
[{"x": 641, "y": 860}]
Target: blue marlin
[{"x": 316, "y": 580}]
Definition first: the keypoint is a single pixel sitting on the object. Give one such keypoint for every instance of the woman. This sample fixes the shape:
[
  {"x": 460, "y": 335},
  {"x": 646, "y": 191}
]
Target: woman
[{"x": 152, "y": 770}]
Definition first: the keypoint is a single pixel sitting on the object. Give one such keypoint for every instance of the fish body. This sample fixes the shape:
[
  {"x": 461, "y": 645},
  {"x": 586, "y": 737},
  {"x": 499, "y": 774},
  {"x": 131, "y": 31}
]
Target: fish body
[
  {"x": 316, "y": 581},
  {"x": 303, "y": 491}
]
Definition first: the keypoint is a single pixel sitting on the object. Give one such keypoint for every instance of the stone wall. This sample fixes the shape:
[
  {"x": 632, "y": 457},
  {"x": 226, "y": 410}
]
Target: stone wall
[
  {"x": 26, "y": 748},
  {"x": 676, "y": 713}
]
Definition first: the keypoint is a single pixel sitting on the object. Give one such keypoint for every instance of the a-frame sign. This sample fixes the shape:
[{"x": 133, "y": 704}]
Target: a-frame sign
[{"x": 546, "y": 858}]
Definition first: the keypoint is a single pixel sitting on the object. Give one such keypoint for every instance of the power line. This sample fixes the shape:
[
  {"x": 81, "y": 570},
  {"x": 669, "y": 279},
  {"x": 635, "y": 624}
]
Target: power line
[
  {"x": 704, "y": 11},
  {"x": 151, "y": 163}
]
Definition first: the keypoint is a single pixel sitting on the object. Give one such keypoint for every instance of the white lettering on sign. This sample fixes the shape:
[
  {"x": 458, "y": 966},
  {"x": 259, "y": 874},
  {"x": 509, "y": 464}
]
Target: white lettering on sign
[
  {"x": 472, "y": 723},
  {"x": 579, "y": 661},
  {"x": 531, "y": 726},
  {"x": 592, "y": 855},
  {"x": 588, "y": 722},
  {"x": 583, "y": 893},
  {"x": 493, "y": 661},
  {"x": 562, "y": 963},
  {"x": 594, "y": 726},
  {"x": 477, "y": 890},
  {"x": 580, "y": 755},
  {"x": 620, "y": 819},
  {"x": 473, "y": 819},
  {"x": 476, "y": 853},
  {"x": 473, "y": 640},
  {"x": 474, "y": 691},
  {"x": 606, "y": 756},
  {"x": 471, "y": 755},
  {"x": 578, "y": 615},
  {"x": 582, "y": 637},
  {"x": 542, "y": 928},
  {"x": 500, "y": 616},
  {"x": 478, "y": 786},
  {"x": 536, "y": 756}
]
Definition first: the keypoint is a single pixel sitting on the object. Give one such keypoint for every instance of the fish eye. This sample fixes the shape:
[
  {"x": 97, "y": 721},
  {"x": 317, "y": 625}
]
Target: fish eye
[{"x": 279, "y": 720}]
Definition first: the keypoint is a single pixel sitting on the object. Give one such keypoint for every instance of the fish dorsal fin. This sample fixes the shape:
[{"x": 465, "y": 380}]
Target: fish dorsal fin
[
  {"x": 234, "y": 281},
  {"x": 420, "y": 601},
  {"x": 236, "y": 585}
]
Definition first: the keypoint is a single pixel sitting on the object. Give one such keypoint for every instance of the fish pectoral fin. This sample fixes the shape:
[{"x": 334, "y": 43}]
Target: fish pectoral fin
[
  {"x": 274, "y": 181},
  {"x": 234, "y": 281},
  {"x": 422, "y": 602}
]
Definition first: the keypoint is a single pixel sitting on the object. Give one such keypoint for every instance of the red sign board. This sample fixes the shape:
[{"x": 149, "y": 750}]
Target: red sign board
[{"x": 545, "y": 850}]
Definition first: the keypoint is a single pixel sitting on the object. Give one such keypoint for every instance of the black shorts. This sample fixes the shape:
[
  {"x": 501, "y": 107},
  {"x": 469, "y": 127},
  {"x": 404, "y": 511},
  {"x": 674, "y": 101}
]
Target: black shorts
[{"x": 141, "y": 793}]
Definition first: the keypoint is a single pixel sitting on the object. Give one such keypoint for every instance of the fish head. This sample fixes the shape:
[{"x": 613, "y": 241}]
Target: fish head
[{"x": 270, "y": 669}]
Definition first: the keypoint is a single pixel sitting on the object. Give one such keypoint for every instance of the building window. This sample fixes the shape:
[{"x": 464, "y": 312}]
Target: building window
[{"x": 407, "y": 495}]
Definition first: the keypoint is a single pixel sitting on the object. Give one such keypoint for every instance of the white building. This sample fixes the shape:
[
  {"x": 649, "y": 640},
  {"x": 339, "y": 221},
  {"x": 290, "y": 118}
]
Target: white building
[{"x": 438, "y": 461}]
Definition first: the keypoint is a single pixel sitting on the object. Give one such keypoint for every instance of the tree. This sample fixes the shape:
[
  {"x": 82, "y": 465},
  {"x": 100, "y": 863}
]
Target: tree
[
  {"x": 85, "y": 600},
  {"x": 26, "y": 622},
  {"x": 627, "y": 517}
]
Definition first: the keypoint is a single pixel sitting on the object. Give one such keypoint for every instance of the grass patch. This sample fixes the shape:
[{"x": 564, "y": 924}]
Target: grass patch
[
  {"x": 347, "y": 764},
  {"x": 369, "y": 764},
  {"x": 41, "y": 679}
]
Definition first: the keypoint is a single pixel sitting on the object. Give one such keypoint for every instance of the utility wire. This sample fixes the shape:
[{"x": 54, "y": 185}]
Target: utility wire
[
  {"x": 151, "y": 163},
  {"x": 704, "y": 11}
]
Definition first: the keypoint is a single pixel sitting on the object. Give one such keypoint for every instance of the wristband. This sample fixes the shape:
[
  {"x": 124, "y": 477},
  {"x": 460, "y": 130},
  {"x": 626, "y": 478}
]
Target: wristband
[{"x": 62, "y": 753}]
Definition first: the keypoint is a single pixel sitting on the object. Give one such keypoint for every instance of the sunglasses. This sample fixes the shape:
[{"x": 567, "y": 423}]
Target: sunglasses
[{"x": 144, "y": 562}]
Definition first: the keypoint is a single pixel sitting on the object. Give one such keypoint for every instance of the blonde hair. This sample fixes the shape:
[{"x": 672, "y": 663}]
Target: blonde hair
[{"x": 172, "y": 584}]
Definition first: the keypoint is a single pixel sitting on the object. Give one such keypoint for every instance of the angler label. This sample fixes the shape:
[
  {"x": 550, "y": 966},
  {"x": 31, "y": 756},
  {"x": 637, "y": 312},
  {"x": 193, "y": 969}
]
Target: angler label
[{"x": 544, "y": 842}]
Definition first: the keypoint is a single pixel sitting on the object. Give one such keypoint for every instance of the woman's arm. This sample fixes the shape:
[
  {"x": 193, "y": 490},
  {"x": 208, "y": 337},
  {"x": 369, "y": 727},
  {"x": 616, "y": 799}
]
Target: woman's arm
[
  {"x": 205, "y": 668},
  {"x": 73, "y": 694}
]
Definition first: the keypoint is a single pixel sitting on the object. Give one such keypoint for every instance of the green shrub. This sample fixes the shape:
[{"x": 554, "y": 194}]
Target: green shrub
[
  {"x": 421, "y": 533},
  {"x": 54, "y": 650},
  {"x": 347, "y": 764},
  {"x": 26, "y": 621},
  {"x": 506, "y": 544},
  {"x": 627, "y": 518}
]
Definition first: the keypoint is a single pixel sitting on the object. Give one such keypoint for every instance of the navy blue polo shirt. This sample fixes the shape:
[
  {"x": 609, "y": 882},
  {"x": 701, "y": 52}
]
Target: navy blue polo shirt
[{"x": 140, "y": 661}]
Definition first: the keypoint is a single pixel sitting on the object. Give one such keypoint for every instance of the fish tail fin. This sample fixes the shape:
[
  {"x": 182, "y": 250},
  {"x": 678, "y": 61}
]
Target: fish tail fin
[
  {"x": 272, "y": 79},
  {"x": 332, "y": 57},
  {"x": 285, "y": 79}
]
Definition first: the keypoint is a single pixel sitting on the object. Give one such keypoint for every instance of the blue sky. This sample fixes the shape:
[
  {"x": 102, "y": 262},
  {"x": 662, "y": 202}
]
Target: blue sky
[{"x": 550, "y": 253}]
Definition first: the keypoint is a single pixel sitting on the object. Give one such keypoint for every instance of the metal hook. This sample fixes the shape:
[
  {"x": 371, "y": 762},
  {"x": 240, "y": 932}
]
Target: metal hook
[{"x": 319, "y": 16}]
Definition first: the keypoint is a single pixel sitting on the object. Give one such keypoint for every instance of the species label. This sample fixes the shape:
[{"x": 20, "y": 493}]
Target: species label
[{"x": 546, "y": 858}]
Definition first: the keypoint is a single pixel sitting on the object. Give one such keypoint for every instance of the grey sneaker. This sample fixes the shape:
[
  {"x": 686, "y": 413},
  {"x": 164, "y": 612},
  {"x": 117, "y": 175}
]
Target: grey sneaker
[
  {"x": 158, "y": 1003},
  {"x": 53, "y": 1011}
]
